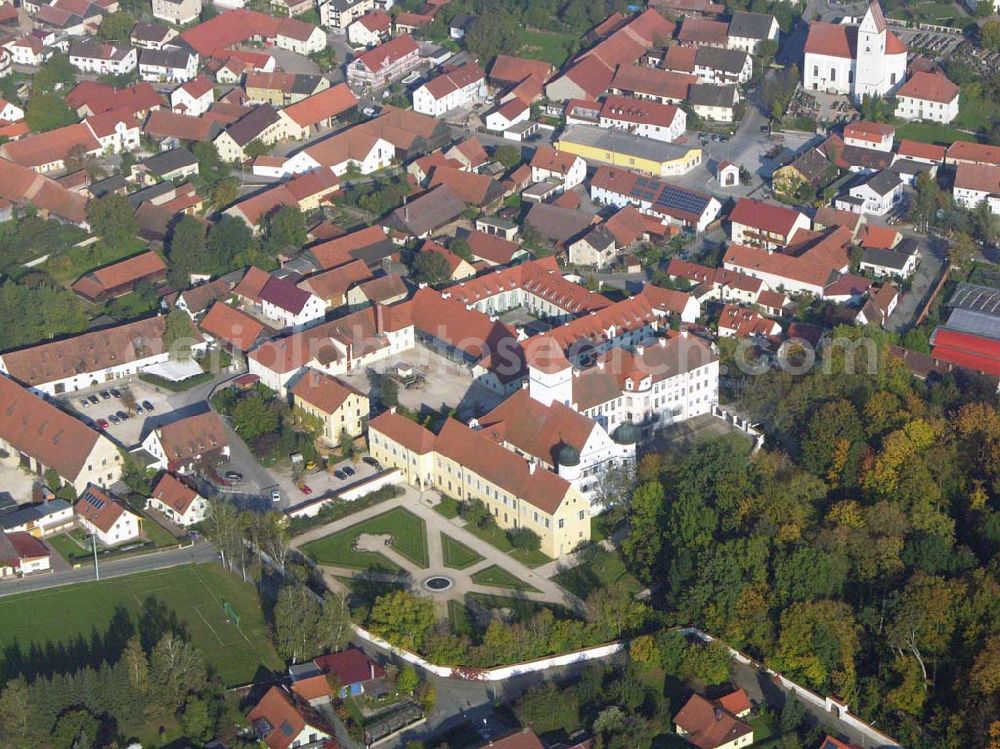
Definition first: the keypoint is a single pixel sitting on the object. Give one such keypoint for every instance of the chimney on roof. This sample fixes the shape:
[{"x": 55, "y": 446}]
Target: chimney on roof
[
  {"x": 718, "y": 713},
  {"x": 531, "y": 467}
]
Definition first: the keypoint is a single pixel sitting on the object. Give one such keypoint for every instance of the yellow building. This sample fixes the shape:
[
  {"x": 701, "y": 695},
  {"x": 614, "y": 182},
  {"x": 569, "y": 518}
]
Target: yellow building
[
  {"x": 340, "y": 407},
  {"x": 466, "y": 464},
  {"x": 627, "y": 151}
]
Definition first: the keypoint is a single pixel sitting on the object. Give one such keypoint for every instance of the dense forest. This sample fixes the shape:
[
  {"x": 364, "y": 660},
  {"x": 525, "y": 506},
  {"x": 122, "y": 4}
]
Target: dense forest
[{"x": 856, "y": 552}]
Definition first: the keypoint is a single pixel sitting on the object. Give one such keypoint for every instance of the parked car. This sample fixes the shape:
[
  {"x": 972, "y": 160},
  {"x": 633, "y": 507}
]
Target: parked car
[
  {"x": 148, "y": 406},
  {"x": 93, "y": 399},
  {"x": 114, "y": 419},
  {"x": 138, "y": 409},
  {"x": 122, "y": 416},
  {"x": 84, "y": 402},
  {"x": 339, "y": 473},
  {"x": 115, "y": 392},
  {"x": 106, "y": 395},
  {"x": 235, "y": 476},
  {"x": 348, "y": 470},
  {"x": 369, "y": 460},
  {"x": 102, "y": 423},
  {"x": 275, "y": 495},
  {"x": 305, "y": 489}
]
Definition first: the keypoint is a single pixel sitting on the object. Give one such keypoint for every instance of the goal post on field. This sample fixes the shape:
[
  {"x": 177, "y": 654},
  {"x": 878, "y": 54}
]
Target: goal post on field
[{"x": 231, "y": 614}]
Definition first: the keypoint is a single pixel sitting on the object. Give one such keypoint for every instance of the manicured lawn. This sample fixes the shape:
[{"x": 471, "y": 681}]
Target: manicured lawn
[
  {"x": 498, "y": 577},
  {"x": 72, "y": 264},
  {"x": 496, "y": 536},
  {"x": 409, "y": 538},
  {"x": 546, "y": 45},
  {"x": 448, "y": 506},
  {"x": 457, "y": 555},
  {"x": 604, "y": 569},
  {"x": 67, "y": 548},
  {"x": 192, "y": 594},
  {"x": 930, "y": 132},
  {"x": 157, "y": 533}
]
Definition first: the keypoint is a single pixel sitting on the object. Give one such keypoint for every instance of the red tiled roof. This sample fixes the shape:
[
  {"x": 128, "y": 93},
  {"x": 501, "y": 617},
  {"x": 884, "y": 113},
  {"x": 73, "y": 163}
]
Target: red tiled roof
[
  {"x": 192, "y": 436},
  {"x": 232, "y": 326},
  {"x": 54, "y": 145},
  {"x": 525, "y": 739},
  {"x": 799, "y": 269},
  {"x": 680, "y": 58},
  {"x": 333, "y": 284},
  {"x": 592, "y": 75},
  {"x": 164, "y": 124},
  {"x": 735, "y": 702},
  {"x": 973, "y": 152},
  {"x": 376, "y": 20},
  {"x": 832, "y": 40},
  {"x": 284, "y": 719},
  {"x": 35, "y": 427},
  {"x": 99, "y": 508},
  {"x": 872, "y": 132},
  {"x": 921, "y": 150},
  {"x": 403, "y": 431},
  {"x": 708, "y": 726},
  {"x": 653, "y": 81},
  {"x": 114, "y": 276},
  {"x": 174, "y": 493},
  {"x": 766, "y": 216},
  {"x": 312, "y": 687},
  {"x": 99, "y": 97},
  {"x": 880, "y": 237},
  {"x": 385, "y": 54},
  {"x": 548, "y": 158},
  {"x": 508, "y": 69},
  {"x": 496, "y": 250},
  {"x": 929, "y": 87},
  {"x": 413, "y": 20},
  {"x": 323, "y": 391},
  {"x": 703, "y": 31},
  {"x": 350, "y": 666},
  {"x": 27, "y": 546},
  {"x": 979, "y": 177},
  {"x": 453, "y": 80},
  {"x": 226, "y": 29},
  {"x": 324, "y": 105}
]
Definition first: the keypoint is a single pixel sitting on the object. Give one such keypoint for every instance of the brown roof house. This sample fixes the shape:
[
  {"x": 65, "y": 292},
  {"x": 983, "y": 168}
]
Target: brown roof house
[
  {"x": 710, "y": 725},
  {"x": 282, "y": 720},
  {"x": 121, "y": 278},
  {"x": 101, "y": 513},
  {"x": 340, "y": 407},
  {"x": 180, "y": 445},
  {"x": 177, "y": 501},
  {"x": 427, "y": 213}
]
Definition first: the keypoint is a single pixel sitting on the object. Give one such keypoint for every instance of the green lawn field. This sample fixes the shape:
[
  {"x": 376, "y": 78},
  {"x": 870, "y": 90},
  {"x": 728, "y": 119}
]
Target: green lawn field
[
  {"x": 457, "y": 555},
  {"x": 194, "y": 594},
  {"x": 497, "y": 536},
  {"x": 498, "y": 577},
  {"x": 603, "y": 569},
  {"x": 409, "y": 538}
]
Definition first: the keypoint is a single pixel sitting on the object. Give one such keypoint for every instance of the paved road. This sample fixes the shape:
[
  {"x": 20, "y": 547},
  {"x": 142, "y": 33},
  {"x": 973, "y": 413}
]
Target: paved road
[{"x": 200, "y": 552}]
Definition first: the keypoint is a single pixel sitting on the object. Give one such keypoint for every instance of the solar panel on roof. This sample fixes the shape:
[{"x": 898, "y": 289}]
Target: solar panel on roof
[{"x": 673, "y": 197}]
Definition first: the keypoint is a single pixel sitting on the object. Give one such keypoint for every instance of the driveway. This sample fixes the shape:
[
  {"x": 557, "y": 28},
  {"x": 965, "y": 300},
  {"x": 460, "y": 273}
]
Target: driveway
[{"x": 932, "y": 257}]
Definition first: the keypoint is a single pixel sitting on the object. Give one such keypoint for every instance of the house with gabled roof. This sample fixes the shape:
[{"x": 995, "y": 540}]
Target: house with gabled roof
[
  {"x": 341, "y": 409},
  {"x": 181, "y": 445},
  {"x": 453, "y": 88},
  {"x": 282, "y": 720},
  {"x": 178, "y": 501},
  {"x": 707, "y": 724},
  {"x": 22, "y": 554},
  {"x": 121, "y": 278},
  {"x": 107, "y": 517},
  {"x": 381, "y": 65},
  {"x": 767, "y": 225}
]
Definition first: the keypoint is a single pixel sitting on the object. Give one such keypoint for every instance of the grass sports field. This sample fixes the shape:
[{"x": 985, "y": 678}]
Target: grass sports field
[{"x": 194, "y": 593}]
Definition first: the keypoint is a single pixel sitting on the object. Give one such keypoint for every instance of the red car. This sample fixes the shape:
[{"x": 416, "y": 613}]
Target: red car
[
  {"x": 304, "y": 488},
  {"x": 102, "y": 423}
]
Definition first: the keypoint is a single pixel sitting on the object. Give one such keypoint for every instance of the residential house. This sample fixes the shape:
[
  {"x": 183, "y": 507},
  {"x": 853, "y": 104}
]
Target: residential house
[
  {"x": 319, "y": 111},
  {"x": 340, "y": 14},
  {"x": 877, "y": 136},
  {"x": 194, "y": 97},
  {"x": 196, "y": 300},
  {"x": 263, "y": 123},
  {"x": 597, "y": 248},
  {"x": 467, "y": 464},
  {"x": 102, "y": 59},
  {"x": 118, "y": 279},
  {"x": 177, "y": 12},
  {"x": 670, "y": 204},
  {"x": 371, "y": 29},
  {"x": 117, "y": 131},
  {"x": 879, "y": 195},
  {"x": 181, "y": 445},
  {"x": 300, "y": 37},
  {"x": 281, "y": 720},
  {"x": 972, "y": 153},
  {"x": 105, "y": 516},
  {"x": 703, "y": 32},
  {"x": 713, "y": 102},
  {"x": 232, "y": 329},
  {"x": 351, "y": 669},
  {"x": 450, "y": 90},
  {"x": 469, "y": 153},
  {"x": 39, "y": 519},
  {"x": 177, "y": 501},
  {"x": 559, "y": 167},
  {"x": 291, "y": 8},
  {"x": 709, "y": 64},
  {"x": 458, "y": 268},
  {"x": 332, "y": 285},
  {"x": 169, "y": 65},
  {"x": 151, "y": 35},
  {"x": 709, "y": 725},
  {"x": 172, "y": 129},
  {"x": 22, "y": 554},
  {"x": 341, "y": 408},
  {"x": 811, "y": 170},
  {"x": 10, "y": 112},
  {"x": 384, "y": 64},
  {"x": 927, "y": 96},
  {"x": 280, "y": 89},
  {"x": 977, "y": 183},
  {"x": 479, "y": 190},
  {"x": 48, "y": 151},
  {"x": 507, "y": 115},
  {"x": 742, "y": 322},
  {"x": 28, "y": 51},
  {"x": 664, "y": 122},
  {"x": 755, "y": 223},
  {"x": 880, "y": 262},
  {"x": 747, "y": 30}
]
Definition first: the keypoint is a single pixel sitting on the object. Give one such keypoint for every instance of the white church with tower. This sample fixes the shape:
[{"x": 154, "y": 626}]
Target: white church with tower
[{"x": 854, "y": 60}]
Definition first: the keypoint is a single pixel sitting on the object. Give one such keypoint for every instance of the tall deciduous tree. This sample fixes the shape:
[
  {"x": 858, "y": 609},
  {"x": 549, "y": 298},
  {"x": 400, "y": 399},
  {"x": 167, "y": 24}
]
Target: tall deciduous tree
[
  {"x": 186, "y": 250},
  {"x": 402, "y": 618},
  {"x": 176, "y": 669},
  {"x": 112, "y": 219}
]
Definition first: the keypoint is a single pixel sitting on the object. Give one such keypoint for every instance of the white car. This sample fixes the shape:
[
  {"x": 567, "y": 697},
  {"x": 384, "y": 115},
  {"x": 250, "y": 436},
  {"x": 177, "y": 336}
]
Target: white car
[{"x": 275, "y": 495}]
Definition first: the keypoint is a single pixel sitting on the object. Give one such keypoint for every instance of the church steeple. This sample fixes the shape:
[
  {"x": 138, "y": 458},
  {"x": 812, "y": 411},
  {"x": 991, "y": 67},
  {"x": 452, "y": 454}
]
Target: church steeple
[{"x": 871, "y": 66}]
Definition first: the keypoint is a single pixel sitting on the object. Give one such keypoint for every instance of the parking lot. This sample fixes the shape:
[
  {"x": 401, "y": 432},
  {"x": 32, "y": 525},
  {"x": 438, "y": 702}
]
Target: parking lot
[
  {"x": 106, "y": 404},
  {"x": 319, "y": 481}
]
